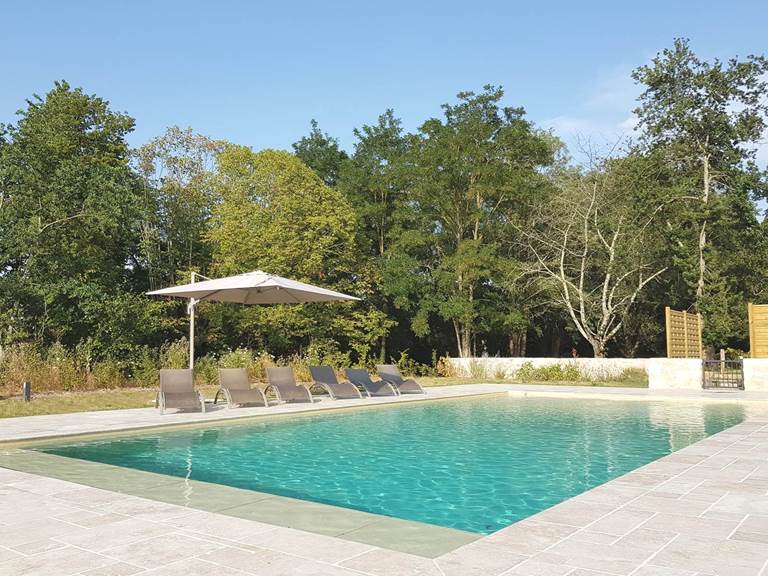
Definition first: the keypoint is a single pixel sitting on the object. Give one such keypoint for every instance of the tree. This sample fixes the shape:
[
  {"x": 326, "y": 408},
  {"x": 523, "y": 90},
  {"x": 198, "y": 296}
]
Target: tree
[
  {"x": 178, "y": 171},
  {"x": 275, "y": 214},
  {"x": 706, "y": 117},
  {"x": 374, "y": 182},
  {"x": 69, "y": 211},
  {"x": 321, "y": 152},
  {"x": 589, "y": 245},
  {"x": 470, "y": 171}
]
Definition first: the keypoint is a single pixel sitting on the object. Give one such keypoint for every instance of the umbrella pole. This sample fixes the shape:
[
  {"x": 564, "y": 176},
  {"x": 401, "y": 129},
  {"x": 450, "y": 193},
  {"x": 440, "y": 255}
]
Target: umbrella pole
[{"x": 191, "y": 309}]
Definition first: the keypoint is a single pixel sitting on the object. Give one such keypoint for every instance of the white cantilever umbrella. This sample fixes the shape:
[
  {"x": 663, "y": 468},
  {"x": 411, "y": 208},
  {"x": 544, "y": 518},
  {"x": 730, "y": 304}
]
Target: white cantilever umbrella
[{"x": 250, "y": 288}]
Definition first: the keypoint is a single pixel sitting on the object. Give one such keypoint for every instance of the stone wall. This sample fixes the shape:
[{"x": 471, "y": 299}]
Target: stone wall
[
  {"x": 755, "y": 373},
  {"x": 663, "y": 373},
  {"x": 674, "y": 373},
  {"x": 507, "y": 367}
]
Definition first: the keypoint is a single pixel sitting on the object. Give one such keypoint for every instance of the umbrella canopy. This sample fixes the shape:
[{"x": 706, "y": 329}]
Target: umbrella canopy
[
  {"x": 253, "y": 288},
  {"x": 250, "y": 288}
]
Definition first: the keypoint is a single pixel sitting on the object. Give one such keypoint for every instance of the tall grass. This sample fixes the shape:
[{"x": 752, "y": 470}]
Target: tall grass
[{"x": 59, "y": 369}]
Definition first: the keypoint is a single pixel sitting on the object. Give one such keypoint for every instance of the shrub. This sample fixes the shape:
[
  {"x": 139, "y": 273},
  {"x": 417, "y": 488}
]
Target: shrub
[
  {"x": 568, "y": 372},
  {"x": 445, "y": 368},
  {"x": 145, "y": 372},
  {"x": 300, "y": 367},
  {"x": 326, "y": 353},
  {"x": 410, "y": 367},
  {"x": 106, "y": 374},
  {"x": 61, "y": 370},
  {"x": 237, "y": 358},
  {"x": 206, "y": 371},
  {"x": 22, "y": 363},
  {"x": 477, "y": 370},
  {"x": 635, "y": 375},
  {"x": 259, "y": 364},
  {"x": 500, "y": 373},
  {"x": 175, "y": 354}
]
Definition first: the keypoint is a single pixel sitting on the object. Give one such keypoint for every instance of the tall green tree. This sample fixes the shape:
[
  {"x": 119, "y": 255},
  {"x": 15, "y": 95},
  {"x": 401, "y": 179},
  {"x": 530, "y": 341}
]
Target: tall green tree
[
  {"x": 374, "y": 179},
  {"x": 471, "y": 169},
  {"x": 375, "y": 183},
  {"x": 275, "y": 214},
  {"x": 704, "y": 119},
  {"x": 321, "y": 152},
  {"x": 70, "y": 208},
  {"x": 178, "y": 171}
]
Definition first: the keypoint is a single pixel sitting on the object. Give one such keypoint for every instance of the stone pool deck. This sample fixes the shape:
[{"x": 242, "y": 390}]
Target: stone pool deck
[{"x": 702, "y": 510}]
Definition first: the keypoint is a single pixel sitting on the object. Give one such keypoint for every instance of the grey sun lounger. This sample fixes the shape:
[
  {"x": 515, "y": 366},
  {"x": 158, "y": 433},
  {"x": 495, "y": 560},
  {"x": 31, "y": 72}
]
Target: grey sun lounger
[
  {"x": 360, "y": 377},
  {"x": 325, "y": 377},
  {"x": 283, "y": 383},
  {"x": 236, "y": 388},
  {"x": 177, "y": 390},
  {"x": 391, "y": 374}
]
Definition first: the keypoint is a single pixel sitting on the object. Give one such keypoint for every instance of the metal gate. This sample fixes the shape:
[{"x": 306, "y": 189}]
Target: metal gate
[{"x": 723, "y": 374}]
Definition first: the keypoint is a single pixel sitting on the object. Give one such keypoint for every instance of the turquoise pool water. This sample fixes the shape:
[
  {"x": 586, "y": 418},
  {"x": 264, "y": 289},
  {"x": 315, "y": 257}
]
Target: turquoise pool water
[{"x": 473, "y": 464}]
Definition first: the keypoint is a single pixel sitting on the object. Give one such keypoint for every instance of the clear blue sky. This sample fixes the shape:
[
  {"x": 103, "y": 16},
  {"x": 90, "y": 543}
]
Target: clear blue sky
[{"x": 256, "y": 72}]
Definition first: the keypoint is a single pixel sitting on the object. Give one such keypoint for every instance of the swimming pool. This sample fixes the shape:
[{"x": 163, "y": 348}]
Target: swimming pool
[{"x": 475, "y": 464}]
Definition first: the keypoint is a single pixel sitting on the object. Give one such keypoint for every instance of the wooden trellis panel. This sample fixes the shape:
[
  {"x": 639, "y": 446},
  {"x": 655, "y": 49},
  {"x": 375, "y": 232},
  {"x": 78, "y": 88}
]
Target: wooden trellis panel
[
  {"x": 683, "y": 334},
  {"x": 758, "y": 330}
]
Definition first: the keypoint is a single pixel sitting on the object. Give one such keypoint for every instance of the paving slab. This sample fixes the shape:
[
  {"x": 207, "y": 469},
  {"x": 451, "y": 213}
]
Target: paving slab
[{"x": 702, "y": 510}]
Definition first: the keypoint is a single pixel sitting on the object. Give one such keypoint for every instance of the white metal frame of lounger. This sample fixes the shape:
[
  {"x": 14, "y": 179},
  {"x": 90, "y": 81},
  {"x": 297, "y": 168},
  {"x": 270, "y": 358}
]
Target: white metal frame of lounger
[
  {"x": 395, "y": 386},
  {"x": 160, "y": 402},
  {"x": 328, "y": 389},
  {"x": 276, "y": 390},
  {"x": 228, "y": 397}
]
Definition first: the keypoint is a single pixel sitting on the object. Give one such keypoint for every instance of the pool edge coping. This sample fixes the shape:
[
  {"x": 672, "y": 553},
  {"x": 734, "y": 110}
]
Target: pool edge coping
[
  {"x": 584, "y": 392},
  {"x": 239, "y": 420},
  {"x": 485, "y": 545}
]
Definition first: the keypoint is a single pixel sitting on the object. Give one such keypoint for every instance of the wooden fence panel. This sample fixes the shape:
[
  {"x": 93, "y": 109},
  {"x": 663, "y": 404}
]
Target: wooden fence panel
[
  {"x": 758, "y": 330},
  {"x": 683, "y": 334}
]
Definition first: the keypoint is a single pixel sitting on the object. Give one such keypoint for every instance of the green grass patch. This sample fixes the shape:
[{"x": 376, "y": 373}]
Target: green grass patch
[
  {"x": 88, "y": 401},
  {"x": 121, "y": 398},
  {"x": 639, "y": 380}
]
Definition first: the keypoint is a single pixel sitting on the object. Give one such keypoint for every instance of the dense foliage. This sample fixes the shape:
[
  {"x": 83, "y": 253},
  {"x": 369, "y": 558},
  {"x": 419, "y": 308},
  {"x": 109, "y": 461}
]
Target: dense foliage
[{"x": 472, "y": 235}]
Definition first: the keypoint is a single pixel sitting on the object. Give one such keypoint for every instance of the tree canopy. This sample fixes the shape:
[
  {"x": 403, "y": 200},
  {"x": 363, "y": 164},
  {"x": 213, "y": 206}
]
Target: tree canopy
[{"x": 471, "y": 234}]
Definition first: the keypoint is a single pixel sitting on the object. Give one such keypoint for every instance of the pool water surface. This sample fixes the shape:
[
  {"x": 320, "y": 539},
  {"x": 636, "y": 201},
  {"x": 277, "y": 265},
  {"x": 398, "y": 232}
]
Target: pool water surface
[{"x": 475, "y": 464}]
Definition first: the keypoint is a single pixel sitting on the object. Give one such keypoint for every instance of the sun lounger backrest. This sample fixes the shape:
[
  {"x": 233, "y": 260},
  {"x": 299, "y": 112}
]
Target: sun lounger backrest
[
  {"x": 323, "y": 375},
  {"x": 358, "y": 376},
  {"x": 234, "y": 378},
  {"x": 176, "y": 380},
  {"x": 282, "y": 376},
  {"x": 284, "y": 382},
  {"x": 389, "y": 372}
]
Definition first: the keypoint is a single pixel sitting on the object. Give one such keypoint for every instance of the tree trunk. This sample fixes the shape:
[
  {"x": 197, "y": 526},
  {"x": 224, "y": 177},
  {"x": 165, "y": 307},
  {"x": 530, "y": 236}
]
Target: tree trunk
[
  {"x": 517, "y": 344},
  {"x": 598, "y": 348},
  {"x": 703, "y": 232},
  {"x": 463, "y": 339},
  {"x": 383, "y": 351},
  {"x": 466, "y": 341},
  {"x": 555, "y": 342}
]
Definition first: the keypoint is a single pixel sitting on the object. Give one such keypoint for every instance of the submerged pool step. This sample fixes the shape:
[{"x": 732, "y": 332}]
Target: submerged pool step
[{"x": 416, "y": 538}]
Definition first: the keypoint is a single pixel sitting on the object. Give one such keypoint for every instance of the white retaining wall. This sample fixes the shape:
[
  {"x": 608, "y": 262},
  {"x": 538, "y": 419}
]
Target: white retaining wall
[
  {"x": 755, "y": 373},
  {"x": 674, "y": 373},
  {"x": 663, "y": 373},
  {"x": 591, "y": 367}
]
